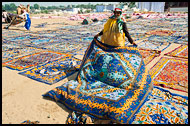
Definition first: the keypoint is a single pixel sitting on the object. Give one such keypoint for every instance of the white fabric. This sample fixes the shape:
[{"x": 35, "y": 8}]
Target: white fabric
[{"x": 24, "y": 15}]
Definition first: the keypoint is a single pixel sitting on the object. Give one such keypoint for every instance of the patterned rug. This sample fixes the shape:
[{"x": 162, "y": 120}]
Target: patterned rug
[
  {"x": 64, "y": 47},
  {"x": 153, "y": 45},
  {"x": 181, "y": 51},
  {"x": 148, "y": 55},
  {"x": 30, "y": 122},
  {"x": 112, "y": 83},
  {"x": 20, "y": 38},
  {"x": 165, "y": 39},
  {"x": 163, "y": 107},
  {"x": 17, "y": 51},
  {"x": 53, "y": 71},
  {"x": 171, "y": 73},
  {"x": 32, "y": 60},
  {"x": 9, "y": 33},
  {"x": 160, "y": 32}
]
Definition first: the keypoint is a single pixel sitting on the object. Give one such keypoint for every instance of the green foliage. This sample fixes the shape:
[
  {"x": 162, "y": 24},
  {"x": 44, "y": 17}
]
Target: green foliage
[
  {"x": 129, "y": 4},
  {"x": 45, "y": 11},
  {"x": 3, "y": 7},
  {"x": 12, "y": 7},
  {"x": 36, "y": 6},
  {"x": 42, "y": 7}
]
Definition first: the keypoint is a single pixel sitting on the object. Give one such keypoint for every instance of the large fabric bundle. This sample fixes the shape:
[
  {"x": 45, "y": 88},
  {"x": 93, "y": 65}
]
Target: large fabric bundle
[{"x": 112, "y": 83}]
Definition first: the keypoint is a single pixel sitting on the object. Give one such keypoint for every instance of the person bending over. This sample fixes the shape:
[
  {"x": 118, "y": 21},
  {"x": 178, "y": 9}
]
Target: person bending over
[{"x": 115, "y": 30}]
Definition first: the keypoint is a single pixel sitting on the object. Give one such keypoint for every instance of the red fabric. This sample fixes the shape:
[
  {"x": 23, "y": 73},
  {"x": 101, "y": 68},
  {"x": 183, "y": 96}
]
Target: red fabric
[{"x": 117, "y": 9}]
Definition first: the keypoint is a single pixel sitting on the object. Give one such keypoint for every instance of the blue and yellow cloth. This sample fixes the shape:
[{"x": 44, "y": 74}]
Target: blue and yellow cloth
[{"x": 113, "y": 83}]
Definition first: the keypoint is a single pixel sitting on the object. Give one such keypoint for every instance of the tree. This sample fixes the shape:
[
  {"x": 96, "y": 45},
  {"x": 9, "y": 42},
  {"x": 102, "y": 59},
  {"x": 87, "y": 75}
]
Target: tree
[
  {"x": 7, "y": 7},
  {"x": 73, "y": 6},
  {"x": 3, "y": 7},
  {"x": 13, "y": 7},
  {"x": 129, "y": 4},
  {"x": 42, "y": 7},
  {"x": 36, "y": 6}
]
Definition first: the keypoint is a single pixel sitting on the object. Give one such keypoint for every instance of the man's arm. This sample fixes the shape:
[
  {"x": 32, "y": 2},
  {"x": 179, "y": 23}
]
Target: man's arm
[
  {"x": 125, "y": 30},
  {"x": 99, "y": 34}
]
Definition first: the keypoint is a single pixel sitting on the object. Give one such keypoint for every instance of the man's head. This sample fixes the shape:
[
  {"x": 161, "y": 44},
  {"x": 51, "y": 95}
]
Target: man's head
[{"x": 117, "y": 12}]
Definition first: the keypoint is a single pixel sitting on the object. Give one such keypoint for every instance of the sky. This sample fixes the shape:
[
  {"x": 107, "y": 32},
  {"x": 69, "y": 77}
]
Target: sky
[{"x": 56, "y": 3}]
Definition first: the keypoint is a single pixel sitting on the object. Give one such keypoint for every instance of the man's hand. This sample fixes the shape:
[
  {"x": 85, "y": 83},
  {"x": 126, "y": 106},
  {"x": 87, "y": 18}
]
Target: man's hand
[
  {"x": 134, "y": 44},
  {"x": 96, "y": 36}
]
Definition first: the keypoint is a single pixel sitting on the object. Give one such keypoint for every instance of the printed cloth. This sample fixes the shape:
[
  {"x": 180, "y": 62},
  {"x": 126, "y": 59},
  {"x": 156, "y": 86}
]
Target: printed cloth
[
  {"x": 171, "y": 72},
  {"x": 30, "y": 122},
  {"x": 153, "y": 45},
  {"x": 148, "y": 55},
  {"x": 181, "y": 51},
  {"x": 24, "y": 62},
  {"x": 162, "y": 107},
  {"x": 53, "y": 71},
  {"x": 112, "y": 83}
]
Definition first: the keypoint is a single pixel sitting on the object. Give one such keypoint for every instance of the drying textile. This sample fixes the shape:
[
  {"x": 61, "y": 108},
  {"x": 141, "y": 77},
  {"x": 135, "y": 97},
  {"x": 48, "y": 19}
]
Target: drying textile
[
  {"x": 30, "y": 122},
  {"x": 66, "y": 47},
  {"x": 159, "y": 46},
  {"x": 16, "y": 51},
  {"x": 168, "y": 39},
  {"x": 112, "y": 83},
  {"x": 32, "y": 60},
  {"x": 181, "y": 51},
  {"x": 148, "y": 55},
  {"x": 160, "y": 32},
  {"x": 171, "y": 73},
  {"x": 53, "y": 71},
  {"x": 163, "y": 107}
]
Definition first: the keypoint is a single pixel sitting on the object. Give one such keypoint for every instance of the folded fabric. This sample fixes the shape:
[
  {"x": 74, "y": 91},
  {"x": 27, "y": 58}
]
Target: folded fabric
[{"x": 112, "y": 83}]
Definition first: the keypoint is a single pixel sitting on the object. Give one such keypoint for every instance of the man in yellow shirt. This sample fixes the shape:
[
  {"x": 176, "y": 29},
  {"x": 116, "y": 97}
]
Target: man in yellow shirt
[{"x": 115, "y": 30}]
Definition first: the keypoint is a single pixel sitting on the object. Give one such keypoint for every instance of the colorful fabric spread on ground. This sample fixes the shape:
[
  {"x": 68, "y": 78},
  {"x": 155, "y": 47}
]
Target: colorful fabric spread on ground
[
  {"x": 159, "y": 46},
  {"x": 53, "y": 71},
  {"x": 10, "y": 52},
  {"x": 148, "y": 55},
  {"x": 181, "y": 51},
  {"x": 114, "y": 84},
  {"x": 171, "y": 73},
  {"x": 30, "y": 122},
  {"x": 32, "y": 60}
]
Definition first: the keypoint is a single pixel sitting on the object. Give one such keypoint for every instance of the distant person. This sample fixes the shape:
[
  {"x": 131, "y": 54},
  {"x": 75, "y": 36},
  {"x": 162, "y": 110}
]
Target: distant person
[
  {"x": 85, "y": 22},
  {"x": 6, "y": 15},
  {"x": 16, "y": 19},
  {"x": 95, "y": 20},
  {"x": 115, "y": 30}
]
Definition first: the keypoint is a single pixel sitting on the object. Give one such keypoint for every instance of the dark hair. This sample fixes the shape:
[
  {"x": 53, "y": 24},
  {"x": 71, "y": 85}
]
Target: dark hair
[
  {"x": 3, "y": 10},
  {"x": 117, "y": 11}
]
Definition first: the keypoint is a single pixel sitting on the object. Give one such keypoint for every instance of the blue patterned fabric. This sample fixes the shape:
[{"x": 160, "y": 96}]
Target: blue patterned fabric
[{"x": 112, "y": 83}]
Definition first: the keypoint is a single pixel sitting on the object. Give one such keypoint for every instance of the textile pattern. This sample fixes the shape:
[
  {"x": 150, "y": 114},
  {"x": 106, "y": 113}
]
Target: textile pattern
[
  {"x": 181, "y": 51},
  {"x": 53, "y": 71},
  {"x": 163, "y": 107},
  {"x": 159, "y": 46},
  {"x": 112, "y": 83},
  {"x": 148, "y": 55},
  {"x": 32, "y": 60},
  {"x": 171, "y": 73}
]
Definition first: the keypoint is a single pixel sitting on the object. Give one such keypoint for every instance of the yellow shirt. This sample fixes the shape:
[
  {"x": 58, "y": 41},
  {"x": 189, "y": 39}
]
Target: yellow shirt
[{"x": 111, "y": 34}]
